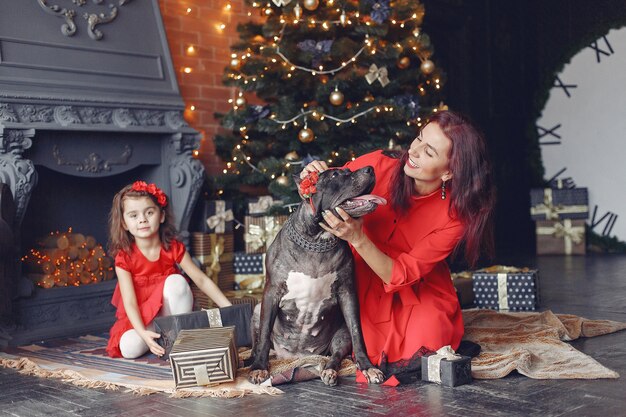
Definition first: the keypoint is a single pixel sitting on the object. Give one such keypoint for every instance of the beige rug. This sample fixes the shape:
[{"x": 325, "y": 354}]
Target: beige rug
[{"x": 533, "y": 344}]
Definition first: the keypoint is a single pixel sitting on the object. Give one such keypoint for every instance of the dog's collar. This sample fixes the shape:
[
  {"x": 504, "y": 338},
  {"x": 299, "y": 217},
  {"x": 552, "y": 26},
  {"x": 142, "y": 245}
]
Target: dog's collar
[{"x": 322, "y": 245}]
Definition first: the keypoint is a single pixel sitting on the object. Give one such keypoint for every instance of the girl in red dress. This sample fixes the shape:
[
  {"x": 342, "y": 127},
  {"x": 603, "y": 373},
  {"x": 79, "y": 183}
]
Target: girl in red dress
[
  {"x": 148, "y": 280},
  {"x": 441, "y": 198}
]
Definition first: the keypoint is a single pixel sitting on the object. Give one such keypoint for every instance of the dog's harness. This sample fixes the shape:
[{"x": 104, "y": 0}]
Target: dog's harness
[{"x": 320, "y": 245}]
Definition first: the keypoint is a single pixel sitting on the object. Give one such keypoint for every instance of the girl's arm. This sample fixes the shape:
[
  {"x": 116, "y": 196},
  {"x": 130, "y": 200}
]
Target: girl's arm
[
  {"x": 129, "y": 298},
  {"x": 203, "y": 282}
]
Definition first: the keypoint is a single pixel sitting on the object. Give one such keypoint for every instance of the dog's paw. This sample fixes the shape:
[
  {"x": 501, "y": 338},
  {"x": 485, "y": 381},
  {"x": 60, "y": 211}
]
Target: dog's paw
[
  {"x": 373, "y": 375},
  {"x": 329, "y": 377},
  {"x": 258, "y": 376}
]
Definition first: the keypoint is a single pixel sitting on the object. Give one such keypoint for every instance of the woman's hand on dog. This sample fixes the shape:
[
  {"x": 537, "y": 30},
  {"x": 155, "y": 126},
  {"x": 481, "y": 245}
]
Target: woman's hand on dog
[
  {"x": 346, "y": 228},
  {"x": 314, "y": 166}
]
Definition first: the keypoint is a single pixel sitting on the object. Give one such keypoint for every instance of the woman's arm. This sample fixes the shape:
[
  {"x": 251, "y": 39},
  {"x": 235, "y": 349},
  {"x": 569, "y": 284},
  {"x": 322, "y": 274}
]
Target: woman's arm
[
  {"x": 203, "y": 282},
  {"x": 129, "y": 298}
]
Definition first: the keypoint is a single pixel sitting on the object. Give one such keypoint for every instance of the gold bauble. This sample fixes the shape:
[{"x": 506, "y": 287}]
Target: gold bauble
[
  {"x": 404, "y": 62},
  {"x": 283, "y": 180},
  {"x": 311, "y": 4},
  {"x": 306, "y": 135},
  {"x": 240, "y": 101},
  {"x": 292, "y": 156},
  {"x": 336, "y": 98},
  {"x": 427, "y": 67},
  {"x": 235, "y": 63}
]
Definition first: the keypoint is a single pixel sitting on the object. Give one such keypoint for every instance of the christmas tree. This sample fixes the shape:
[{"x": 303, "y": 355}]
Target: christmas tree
[{"x": 335, "y": 79}]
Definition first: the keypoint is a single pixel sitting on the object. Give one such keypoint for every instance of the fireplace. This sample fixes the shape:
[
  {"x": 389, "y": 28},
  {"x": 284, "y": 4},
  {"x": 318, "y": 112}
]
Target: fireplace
[{"x": 88, "y": 103}]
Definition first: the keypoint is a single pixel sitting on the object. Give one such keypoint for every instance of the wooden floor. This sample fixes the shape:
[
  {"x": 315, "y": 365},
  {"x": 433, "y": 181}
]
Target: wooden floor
[{"x": 592, "y": 287}]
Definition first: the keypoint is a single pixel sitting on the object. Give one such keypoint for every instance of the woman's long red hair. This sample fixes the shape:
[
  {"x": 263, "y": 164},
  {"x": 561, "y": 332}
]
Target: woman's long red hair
[{"x": 471, "y": 190}]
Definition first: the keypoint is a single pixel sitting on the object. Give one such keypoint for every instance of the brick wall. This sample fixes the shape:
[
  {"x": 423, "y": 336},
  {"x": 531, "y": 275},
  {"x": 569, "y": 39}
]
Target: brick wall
[{"x": 193, "y": 23}]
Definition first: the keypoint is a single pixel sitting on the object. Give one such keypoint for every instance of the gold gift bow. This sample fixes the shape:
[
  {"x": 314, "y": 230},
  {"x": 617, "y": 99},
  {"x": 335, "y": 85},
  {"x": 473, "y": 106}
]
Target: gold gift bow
[
  {"x": 565, "y": 230},
  {"x": 217, "y": 249},
  {"x": 434, "y": 362},
  {"x": 221, "y": 216},
  {"x": 379, "y": 74},
  {"x": 261, "y": 206},
  {"x": 551, "y": 211},
  {"x": 257, "y": 236}
]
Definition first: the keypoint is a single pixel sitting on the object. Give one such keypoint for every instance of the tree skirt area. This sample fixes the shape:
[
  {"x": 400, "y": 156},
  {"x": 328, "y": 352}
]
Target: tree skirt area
[{"x": 534, "y": 344}]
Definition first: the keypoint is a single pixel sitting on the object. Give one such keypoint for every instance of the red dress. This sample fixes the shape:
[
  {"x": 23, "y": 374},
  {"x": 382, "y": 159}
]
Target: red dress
[
  {"x": 148, "y": 281},
  {"x": 419, "y": 307}
]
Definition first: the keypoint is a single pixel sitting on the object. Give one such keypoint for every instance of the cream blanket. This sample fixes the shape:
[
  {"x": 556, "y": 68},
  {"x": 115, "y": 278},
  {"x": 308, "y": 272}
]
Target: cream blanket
[{"x": 533, "y": 344}]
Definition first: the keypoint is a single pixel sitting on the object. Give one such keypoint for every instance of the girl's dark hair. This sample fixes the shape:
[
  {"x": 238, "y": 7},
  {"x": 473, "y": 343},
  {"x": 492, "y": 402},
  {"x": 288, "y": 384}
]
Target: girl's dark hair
[
  {"x": 472, "y": 192},
  {"x": 120, "y": 238}
]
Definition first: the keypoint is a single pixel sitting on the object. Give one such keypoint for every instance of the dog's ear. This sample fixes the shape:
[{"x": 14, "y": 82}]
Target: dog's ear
[{"x": 297, "y": 180}]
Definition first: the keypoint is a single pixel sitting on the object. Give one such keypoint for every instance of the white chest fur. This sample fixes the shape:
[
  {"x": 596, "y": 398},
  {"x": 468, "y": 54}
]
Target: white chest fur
[{"x": 308, "y": 294}]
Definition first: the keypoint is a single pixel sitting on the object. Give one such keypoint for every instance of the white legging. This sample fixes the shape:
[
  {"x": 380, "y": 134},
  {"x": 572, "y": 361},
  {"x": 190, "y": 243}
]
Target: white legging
[{"x": 177, "y": 299}]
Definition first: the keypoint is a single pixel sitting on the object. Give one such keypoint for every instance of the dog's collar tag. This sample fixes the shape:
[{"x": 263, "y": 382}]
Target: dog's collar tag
[{"x": 310, "y": 245}]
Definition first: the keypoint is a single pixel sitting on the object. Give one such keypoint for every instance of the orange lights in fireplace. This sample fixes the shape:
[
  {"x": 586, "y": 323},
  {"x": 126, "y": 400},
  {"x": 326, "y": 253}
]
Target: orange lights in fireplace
[
  {"x": 67, "y": 259},
  {"x": 187, "y": 70},
  {"x": 191, "y": 50}
]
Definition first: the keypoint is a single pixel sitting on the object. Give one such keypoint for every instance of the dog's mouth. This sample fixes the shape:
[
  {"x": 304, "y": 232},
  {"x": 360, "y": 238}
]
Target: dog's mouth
[{"x": 362, "y": 205}]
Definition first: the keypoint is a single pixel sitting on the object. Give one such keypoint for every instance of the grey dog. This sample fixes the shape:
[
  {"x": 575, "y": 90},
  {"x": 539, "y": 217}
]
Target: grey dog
[{"x": 309, "y": 304}]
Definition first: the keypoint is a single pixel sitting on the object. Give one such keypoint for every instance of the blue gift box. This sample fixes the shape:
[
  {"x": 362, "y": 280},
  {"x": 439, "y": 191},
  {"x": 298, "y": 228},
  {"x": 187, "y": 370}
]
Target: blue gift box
[{"x": 511, "y": 289}]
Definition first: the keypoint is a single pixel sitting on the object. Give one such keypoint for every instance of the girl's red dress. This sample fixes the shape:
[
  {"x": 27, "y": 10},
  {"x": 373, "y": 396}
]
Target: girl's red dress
[
  {"x": 419, "y": 307},
  {"x": 148, "y": 281}
]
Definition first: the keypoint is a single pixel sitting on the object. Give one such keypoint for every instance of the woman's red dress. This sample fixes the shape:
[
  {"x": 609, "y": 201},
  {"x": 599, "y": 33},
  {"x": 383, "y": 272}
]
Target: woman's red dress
[
  {"x": 148, "y": 281},
  {"x": 419, "y": 307}
]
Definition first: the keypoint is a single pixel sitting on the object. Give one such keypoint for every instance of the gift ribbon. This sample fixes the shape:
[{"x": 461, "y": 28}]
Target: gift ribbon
[
  {"x": 434, "y": 362},
  {"x": 379, "y": 74},
  {"x": 258, "y": 236},
  {"x": 221, "y": 216},
  {"x": 553, "y": 212},
  {"x": 215, "y": 317},
  {"x": 570, "y": 234},
  {"x": 503, "y": 296},
  {"x": 262, "y": 205}
]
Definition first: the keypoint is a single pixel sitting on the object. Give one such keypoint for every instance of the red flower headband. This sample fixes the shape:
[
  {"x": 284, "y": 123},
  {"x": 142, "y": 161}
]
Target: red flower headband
[
  {"x": 307, "y": 185},
  {"x": 151, "y": 189}
]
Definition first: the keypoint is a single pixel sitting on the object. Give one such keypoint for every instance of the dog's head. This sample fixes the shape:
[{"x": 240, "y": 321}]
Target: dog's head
[{"x": 346, "y": 189}]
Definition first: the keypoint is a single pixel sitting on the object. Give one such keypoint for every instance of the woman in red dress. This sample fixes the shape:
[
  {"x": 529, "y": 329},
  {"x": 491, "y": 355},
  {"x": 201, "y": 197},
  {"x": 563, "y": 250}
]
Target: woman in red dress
[
  {"x": 441, "y": 199},
  {"x": 149, "y": 281}
]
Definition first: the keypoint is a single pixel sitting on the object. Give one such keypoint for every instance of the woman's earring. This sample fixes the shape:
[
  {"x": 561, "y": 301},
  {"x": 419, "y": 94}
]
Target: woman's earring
[{"x": 443, "y": 190}]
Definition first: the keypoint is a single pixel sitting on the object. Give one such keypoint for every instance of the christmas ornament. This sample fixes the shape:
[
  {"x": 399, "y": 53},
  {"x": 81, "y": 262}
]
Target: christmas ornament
[
  {"x": 316, "y": 49},
  {"x": 292, "y": 156},
  {"x": 376, "y": 73},
  {"x": 336, "y": 98},
  {"x": 342, "y": 18},
  {"x": 404, "y": 62},
  {"x": 297, "y": 11},
  {"x": 427, "y": 67},
  {"x": 306, "y": 135},
  {"x": 311, "y": 4},
  {"x": 380, "y": 10},
  {"x": 240, "y": 101},
  {"x": 283, "y": 180},
  {"x": 235, "y": 63}
]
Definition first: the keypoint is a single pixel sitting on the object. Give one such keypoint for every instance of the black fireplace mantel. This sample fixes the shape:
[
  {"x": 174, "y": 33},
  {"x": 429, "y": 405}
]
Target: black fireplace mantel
[{"x": 88, "y": 89}]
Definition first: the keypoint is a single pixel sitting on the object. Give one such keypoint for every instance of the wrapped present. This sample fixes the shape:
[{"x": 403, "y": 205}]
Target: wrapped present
[
  {"x": 447, "y": 368},
  {"x": 565, "y": 237},
  {"x": 506, "y": 288},
  {"x": 463, "y": 284},
  {"x": 215, "y": 254},
  {"x": 261, "y": 231},
  {"x": 249, "y": 270},
  {"x": 559, "y": 203},
  {"x": 236, "y": 316},
  {"x": 259, "y": 206},
  {"x": 204, "y": 356},
  {"x": 251, "y": 297},
  {"x": 212, "y": 216}
]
